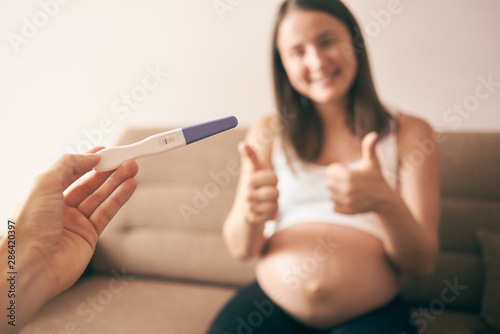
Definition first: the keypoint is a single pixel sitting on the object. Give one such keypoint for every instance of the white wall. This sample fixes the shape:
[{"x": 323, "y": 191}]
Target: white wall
[{"x": 63, "y": 80}]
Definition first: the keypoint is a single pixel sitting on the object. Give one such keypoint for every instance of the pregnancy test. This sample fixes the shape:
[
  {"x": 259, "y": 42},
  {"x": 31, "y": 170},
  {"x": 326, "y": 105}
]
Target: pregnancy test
[{"x": 113, "y": 157}]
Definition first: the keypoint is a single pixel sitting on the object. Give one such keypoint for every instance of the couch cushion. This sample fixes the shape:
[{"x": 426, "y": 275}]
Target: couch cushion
[
  {"x": 175, "y": 253},
  {"x": 175, "y": 205},
  {"x": 102, "y": 304}
]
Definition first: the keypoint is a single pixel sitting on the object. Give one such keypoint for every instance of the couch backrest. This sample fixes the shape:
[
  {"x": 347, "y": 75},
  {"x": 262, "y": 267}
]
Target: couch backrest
[
  {"x": 171, "y": 227},
  {"x": 471, "y": 200}
]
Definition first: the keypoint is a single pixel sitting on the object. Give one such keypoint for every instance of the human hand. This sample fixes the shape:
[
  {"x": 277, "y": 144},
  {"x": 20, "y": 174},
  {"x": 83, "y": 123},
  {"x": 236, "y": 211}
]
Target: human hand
[
  {"x": 360, "y": 190},
  {"x": 261, "y": 191},
  {"x": 66, "y": 211}
]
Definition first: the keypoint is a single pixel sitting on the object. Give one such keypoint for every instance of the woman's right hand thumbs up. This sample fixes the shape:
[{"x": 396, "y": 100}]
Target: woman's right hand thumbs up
[{"x": 261, "y": 188}]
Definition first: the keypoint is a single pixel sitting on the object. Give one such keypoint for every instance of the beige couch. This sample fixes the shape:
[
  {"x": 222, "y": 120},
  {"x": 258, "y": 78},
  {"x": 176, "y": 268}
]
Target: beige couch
[{"x": 162, "y": 267}]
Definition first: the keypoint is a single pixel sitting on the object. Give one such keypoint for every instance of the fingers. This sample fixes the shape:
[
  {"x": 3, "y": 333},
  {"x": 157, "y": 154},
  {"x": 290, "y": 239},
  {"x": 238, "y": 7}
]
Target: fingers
[
  {"x": 339, "y": 198},
  {"x": 262, "y": 204},
  {"x": 247, "y": 152},
  {"x": 112, "y": 204},
  {"x": 86, "y": 186},
  {"x": 344, "y": 209},
  {"x": 261, "y": 212},
  {"x": 338, "y": 177},
  {"x": 91, "y": 201},
  {"x": 263, "y": 194},
  {"x": 342, "y": 199},
  {"x": 93, "y": 150},
  {"x": 263, "y": 178},
  {"x": 337, "y": 171},
  {"x": 65, "y": 170},
  {"x": 77, "y": 192},
  {"x": 340, "y": 187}
]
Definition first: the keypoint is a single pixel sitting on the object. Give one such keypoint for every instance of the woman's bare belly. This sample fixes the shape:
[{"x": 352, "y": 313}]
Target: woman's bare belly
[{"x": 324, "y": 274}]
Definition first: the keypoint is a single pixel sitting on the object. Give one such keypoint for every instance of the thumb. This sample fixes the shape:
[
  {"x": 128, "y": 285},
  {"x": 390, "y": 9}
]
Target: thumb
[
  {"x": 368, "y": 152},
  {"x": 247, "y": 152},
  {"x": 69, "y": 167}
]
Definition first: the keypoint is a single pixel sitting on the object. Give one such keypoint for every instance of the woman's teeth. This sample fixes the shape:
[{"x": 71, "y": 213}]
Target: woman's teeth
[{"x": 328, "y": 77}]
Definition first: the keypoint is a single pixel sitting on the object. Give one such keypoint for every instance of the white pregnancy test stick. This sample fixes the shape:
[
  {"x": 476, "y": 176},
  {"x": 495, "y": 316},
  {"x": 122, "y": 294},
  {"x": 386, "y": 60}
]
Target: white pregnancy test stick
[{"x": 113, "y": 157}]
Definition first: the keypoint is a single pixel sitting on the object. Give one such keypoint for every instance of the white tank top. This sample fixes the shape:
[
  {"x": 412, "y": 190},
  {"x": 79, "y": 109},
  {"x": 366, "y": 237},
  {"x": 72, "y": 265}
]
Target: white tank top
[{"x": 304, "y": 197}]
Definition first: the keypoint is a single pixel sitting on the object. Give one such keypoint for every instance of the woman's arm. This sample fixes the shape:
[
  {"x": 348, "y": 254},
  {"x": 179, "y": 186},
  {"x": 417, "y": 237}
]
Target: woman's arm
[
  {"x": 256, "y": 195},
  {"x": 411, "y": 218}
]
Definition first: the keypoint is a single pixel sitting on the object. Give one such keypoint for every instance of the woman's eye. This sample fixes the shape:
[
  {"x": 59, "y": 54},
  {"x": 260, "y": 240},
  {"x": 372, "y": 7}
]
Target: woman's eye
[
  {"x": 327, "y": 42},
  {"x": 296, "y": 53}
]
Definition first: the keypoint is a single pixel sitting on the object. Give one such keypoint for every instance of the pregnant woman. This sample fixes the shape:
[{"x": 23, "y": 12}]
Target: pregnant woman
[{"x": 351, "y": 186}]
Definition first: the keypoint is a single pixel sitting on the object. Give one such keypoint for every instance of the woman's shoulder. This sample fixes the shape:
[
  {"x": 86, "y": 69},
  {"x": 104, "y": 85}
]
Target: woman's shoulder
[
  {"x": 412, "y": 132},
  {"x": 410, "y": 125},
  {"x": 264, "y": 130}
]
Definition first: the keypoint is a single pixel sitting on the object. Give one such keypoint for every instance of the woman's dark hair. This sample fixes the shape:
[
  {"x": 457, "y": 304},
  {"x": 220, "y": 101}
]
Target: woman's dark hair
[{"x": 302, "y": 130}]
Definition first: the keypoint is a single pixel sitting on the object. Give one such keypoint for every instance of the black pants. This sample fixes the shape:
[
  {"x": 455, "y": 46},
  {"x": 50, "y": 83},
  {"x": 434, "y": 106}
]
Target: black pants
[{"x": 251, "y": 311}]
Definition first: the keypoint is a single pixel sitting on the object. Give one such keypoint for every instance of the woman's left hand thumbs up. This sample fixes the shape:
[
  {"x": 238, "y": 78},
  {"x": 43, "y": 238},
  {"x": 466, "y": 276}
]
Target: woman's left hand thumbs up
[{"x": 362, "y": 189}]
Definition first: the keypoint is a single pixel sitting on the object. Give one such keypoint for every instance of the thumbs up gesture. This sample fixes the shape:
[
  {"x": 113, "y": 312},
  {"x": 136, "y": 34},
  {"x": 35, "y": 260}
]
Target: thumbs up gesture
[
  {"x": 261, "y": 191},
  {"x": 360, "y": 190}
]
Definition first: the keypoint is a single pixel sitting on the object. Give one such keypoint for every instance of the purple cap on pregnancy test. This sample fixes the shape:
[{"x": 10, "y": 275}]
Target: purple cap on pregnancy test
[{"x": 196, "y": 132}]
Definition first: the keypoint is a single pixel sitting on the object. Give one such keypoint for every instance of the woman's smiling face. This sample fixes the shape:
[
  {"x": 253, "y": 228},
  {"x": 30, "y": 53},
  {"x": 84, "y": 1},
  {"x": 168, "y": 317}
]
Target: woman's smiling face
[{"x": 317, "y": 53}]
